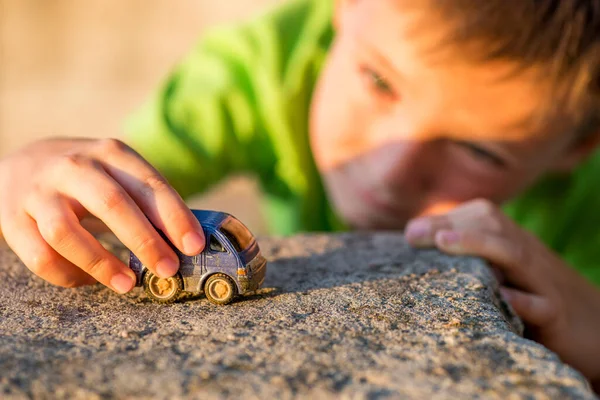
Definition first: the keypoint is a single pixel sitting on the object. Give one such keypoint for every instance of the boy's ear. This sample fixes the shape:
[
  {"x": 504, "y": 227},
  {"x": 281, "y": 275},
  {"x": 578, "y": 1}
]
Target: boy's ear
[{"x": 578, "y": 153}]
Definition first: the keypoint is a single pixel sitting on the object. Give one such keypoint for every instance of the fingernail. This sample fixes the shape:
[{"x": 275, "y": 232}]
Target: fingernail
[
  {"x": 122, "y": 283},
  {"x": 418, "y": 229},
  {"x": 193, "y": 243},
  {"x": 450, "y": 239},
  {"x": 166, "y": 268}
]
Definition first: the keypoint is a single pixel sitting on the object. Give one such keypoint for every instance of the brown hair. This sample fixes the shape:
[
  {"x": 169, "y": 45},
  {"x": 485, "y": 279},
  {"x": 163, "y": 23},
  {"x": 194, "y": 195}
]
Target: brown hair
[{"x": 560, "y": 36}]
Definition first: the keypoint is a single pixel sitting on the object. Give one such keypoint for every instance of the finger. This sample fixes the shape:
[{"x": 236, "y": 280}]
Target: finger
[
  {"x": 421, "y": 232},
  {"x": 534, "y": 309},
  {"x": 155, "y": 197},
  {"x": 509, "y": 256},
  {"x": 60, "y": 228},
  {"x": 98, "y": 192},
  {"x": 25, "y": 240},
  {"x": 477, "y": 214}
]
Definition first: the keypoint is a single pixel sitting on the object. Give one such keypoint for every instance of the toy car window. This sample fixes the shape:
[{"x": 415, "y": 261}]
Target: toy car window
[
  {"x": 215, "y": 245},
  {"x": 237, "y": 234}
]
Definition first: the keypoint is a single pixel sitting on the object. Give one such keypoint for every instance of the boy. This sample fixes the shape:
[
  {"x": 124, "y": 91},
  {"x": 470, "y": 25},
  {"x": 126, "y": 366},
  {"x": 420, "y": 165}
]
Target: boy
[{"x": 417, "y": 114}]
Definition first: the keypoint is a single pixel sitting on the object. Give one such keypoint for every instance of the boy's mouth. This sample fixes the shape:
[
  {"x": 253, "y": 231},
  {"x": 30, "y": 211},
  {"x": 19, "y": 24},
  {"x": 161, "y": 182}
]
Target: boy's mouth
[
  {"x": 366, "y": 204},
  {"x": 374, "y": 200}
]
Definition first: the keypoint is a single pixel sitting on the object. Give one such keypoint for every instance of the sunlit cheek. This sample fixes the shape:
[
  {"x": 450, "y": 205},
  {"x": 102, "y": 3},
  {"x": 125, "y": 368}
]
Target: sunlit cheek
[
  {"x": 339, "y": 138},
  {"x": 343, "y": 126}
]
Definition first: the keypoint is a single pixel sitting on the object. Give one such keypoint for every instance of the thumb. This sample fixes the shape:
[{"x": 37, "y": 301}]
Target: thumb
[{"x": 534, "y": 309}]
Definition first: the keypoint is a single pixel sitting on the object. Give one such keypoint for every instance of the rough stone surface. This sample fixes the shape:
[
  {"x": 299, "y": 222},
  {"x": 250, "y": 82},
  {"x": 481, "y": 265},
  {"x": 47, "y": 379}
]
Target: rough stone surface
[{"x": 346, "y": 316}]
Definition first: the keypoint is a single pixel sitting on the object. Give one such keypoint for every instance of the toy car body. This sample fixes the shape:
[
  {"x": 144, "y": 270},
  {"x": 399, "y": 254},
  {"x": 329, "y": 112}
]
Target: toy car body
[{"x": 230, "y": 264}]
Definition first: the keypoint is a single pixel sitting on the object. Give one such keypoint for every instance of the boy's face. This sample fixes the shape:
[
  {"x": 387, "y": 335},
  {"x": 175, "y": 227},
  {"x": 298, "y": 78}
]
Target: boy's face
[{"x": 402, "y": 125}]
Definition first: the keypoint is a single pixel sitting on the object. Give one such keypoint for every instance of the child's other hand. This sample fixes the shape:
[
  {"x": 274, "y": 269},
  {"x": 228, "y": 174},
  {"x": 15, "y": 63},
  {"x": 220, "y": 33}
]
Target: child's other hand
[
  {"x": 48, "y": 187},
  {"x": 561, "y": 309}
]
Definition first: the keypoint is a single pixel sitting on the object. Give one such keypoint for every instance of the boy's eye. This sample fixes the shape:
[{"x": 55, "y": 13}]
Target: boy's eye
[
  {"x": 482, "y": 154},
  {"x": 377, "y": 82}
]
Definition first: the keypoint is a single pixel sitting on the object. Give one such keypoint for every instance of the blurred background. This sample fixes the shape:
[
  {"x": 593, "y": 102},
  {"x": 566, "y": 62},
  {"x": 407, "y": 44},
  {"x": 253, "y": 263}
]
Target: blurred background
[{"x": 78, "y": 68}]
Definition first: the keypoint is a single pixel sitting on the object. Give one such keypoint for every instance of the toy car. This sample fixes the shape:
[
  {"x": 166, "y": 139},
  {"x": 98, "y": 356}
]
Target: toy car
[{"x": 230, "y": 264}]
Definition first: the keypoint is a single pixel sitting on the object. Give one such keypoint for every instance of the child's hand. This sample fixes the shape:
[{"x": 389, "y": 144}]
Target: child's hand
[
  {"x": 560, "y": 308},
  {"x": 49, "y": 186}
]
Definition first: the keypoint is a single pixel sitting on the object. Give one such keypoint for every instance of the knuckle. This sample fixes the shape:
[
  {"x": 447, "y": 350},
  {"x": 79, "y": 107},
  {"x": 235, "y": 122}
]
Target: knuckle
[
  {"x": 72, "y": 165},
  {"x": 96, "y": 265},
  {"x": 484, "y": 207},
  {"x": 113, "y": 198},
  {"x": 56, "y": 230},
  {"x": 70, "y": 162},
  {"x": 488, "y": 215},
  {"x": 146, "y": 245},
  {"x": 154, "y": 184},
  {"x": 112, "y": 145},
  {"x": 42, "y": 261},
  {"x": 181, "y": 222}
]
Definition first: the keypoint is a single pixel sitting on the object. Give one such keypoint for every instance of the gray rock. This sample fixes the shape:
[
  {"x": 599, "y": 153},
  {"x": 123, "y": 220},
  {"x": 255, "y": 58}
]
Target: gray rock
[{"x": 347, "y": 316}]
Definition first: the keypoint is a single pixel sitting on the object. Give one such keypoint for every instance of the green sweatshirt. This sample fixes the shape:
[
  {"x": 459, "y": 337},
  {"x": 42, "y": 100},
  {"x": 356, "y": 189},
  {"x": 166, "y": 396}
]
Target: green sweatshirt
[{"x": 239, "y": 103}]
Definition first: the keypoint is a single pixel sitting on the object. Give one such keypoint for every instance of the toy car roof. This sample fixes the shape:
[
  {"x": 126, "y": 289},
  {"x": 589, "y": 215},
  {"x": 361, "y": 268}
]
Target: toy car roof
[{"x": 210, "y": 219}]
